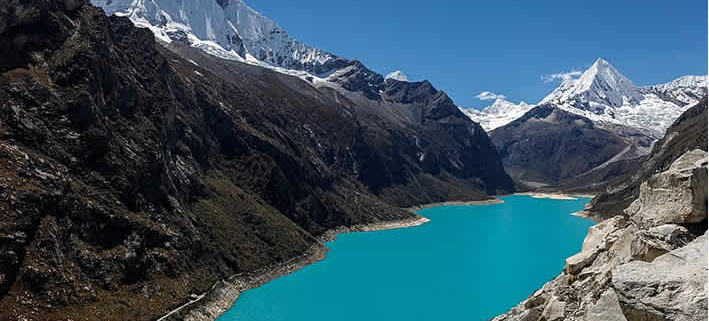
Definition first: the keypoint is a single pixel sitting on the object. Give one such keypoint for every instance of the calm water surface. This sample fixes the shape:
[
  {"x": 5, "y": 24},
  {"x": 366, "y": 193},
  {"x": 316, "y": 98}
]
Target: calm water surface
[{"x": 468, "y": 263}]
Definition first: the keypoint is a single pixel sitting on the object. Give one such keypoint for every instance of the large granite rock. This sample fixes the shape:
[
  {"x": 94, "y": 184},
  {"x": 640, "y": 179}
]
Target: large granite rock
[
  {"x": 597, "y": 239},
  {"x": 672, "y": 287},
  {"x": 676, "y": 196}
]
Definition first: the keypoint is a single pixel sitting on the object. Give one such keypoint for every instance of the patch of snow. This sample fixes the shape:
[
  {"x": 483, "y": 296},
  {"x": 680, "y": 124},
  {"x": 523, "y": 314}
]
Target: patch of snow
[
  {"x": 500, "y": 113},
  {"x": 397, "y": 75}
]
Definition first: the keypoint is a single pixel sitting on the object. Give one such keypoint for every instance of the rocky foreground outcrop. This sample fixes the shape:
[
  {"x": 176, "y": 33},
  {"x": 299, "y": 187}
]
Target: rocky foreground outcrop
[{"x": 643, "y": 265}]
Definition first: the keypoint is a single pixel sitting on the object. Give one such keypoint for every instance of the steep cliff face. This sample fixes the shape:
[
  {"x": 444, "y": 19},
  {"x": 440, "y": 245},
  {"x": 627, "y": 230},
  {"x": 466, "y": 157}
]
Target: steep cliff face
[
  {"x": 642, "y": 265},
  {"x": 131, "y": 177}
]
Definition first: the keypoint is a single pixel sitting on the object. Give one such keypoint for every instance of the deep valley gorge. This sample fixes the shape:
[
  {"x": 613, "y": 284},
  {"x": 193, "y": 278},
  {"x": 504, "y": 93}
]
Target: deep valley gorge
[{"x": 152, "y": 168}]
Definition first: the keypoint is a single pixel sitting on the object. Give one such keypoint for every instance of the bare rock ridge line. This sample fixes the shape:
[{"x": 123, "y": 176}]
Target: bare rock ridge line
[{"x": 643, "y": 265}]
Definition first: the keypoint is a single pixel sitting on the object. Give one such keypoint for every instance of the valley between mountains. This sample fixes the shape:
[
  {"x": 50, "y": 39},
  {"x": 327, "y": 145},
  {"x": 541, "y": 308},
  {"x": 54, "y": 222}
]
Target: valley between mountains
[{"x": 152, "y": 150}]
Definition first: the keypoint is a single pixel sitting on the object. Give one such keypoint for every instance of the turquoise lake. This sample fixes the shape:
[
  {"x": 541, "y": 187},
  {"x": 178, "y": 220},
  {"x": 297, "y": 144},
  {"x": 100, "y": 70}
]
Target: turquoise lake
[{"x": 467, "y": 263}]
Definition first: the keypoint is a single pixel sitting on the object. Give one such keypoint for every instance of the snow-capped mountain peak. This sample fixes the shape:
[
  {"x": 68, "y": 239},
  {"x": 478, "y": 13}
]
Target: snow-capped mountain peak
[
  {"x": 498, "y": 114},
  {"x": 226, "y": 28},
  {"x": 397, "y": 75},
  {"x": 608, "y": 98},
  {"x": 600, "y": 84}
]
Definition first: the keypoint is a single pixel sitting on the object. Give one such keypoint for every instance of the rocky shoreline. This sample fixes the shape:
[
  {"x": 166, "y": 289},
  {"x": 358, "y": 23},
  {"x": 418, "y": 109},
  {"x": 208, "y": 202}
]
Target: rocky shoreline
[
  {"x": 649, "y": 263},
  {"x": 223, "y": 294},
  {"x": 588, "y": 215}
]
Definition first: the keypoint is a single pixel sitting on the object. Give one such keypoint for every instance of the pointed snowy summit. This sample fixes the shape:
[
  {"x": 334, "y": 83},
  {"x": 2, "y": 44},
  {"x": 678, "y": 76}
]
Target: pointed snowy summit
[
  {"x": 397, "y": 75},
  {"x": 606, "y": 96},
  {"x": 600, "y": 84}
]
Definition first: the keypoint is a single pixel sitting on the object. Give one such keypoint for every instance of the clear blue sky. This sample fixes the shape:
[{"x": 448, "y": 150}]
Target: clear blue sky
[{"x": 503, "y": 46}]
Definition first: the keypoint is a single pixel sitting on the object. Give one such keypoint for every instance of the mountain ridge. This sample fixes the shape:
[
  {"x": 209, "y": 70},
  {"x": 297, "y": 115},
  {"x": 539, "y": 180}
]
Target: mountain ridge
[
  {"x": 137, "y": 174},
  {"x": 610, "y": 99}
]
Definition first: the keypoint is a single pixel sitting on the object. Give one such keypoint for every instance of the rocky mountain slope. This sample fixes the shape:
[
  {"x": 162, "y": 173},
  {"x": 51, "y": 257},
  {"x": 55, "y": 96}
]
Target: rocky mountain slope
[
  {"x": 132, "y": 177},
  {"x": 540, "y": 151},
  {"x": 650, "y": 261},
  {"x": 688, "y": 132},
  {"x": 232, "y": 30},
  {"x": 549, "y": 145}
]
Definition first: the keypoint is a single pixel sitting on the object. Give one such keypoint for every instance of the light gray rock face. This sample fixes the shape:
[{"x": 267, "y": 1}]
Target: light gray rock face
[
  {"x": 607, "y": 308},
  {"x": 554, "y": 310},
  {"x": 673, "y": 286},
  {"x": 676, "y": 196},
  {"x": 597, "y": 240},
  {"x": 643, "y": 268},
  {"x": 649, "y": 244}
]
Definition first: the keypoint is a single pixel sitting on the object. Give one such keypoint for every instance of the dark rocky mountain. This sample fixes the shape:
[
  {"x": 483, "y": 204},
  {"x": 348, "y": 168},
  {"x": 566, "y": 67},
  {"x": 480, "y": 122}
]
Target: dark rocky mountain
[
  {"x": 131, "y": 177},
  {"x": 549, "y": 146},
  {"x": 687, "y": 133}
]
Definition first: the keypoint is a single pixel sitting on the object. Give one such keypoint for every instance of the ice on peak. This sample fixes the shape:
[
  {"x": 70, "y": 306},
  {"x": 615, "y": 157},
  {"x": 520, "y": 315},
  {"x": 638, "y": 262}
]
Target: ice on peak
[
  {"x": 226, "y": 28},
  {"x": 686, "y": 81},
  {"x": 397, "y": 75},
  {"x": 601, "y": 84},
  {"x": 502, "y": 105},
  {"x": 498, "y": 114},
  {"x": 606, "y": 96}
]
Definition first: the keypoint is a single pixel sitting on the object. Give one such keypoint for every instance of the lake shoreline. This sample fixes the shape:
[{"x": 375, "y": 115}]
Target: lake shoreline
[
  {"x": 556, "y": 196},
  {"x": 223, "y": 294},
  {"x": 586, "y": 214},
  {"x": 455, "y": 203}
]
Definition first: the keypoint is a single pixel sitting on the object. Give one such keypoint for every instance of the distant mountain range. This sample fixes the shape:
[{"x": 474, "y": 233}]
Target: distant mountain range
[
  {"x": 584, "y": 134},
  {"x": 608, "y": 98},
  {"x": 231, "y": 29},
  {"x": 137, "y": 174}
]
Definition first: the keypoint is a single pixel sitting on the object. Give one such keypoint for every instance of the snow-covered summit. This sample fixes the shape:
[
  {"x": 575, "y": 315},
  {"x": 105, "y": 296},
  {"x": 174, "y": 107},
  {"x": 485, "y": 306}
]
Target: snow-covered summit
[
  {"x": 397, "y": 75},
  {"x": 498, "y": 114},
  {"x": 226, "y": 28},
  {"x": 684, "y": 90},
  {"x": 601, "y": 84},
  {"x": 606, "y": 96}
]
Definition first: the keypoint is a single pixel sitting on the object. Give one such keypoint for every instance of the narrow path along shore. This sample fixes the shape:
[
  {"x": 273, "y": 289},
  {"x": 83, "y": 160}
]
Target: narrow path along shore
[{"x": 223, "y": 294}]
